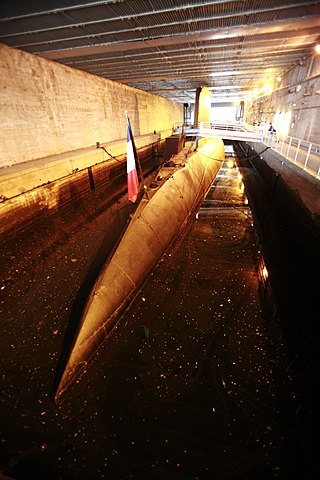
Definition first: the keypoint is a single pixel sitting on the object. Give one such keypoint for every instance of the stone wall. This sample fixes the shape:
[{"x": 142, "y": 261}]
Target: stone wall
[{"x": 50, "y": 109}]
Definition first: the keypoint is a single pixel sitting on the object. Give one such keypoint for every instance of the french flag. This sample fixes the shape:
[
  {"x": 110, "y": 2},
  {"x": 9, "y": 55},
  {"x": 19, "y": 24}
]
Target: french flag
[{"x": 132, "y": 177}]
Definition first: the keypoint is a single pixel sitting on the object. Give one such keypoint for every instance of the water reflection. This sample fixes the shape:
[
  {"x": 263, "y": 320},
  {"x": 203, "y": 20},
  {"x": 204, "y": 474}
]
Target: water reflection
[
  {"x": 199, "y": 398},
  {"x": 206, "y": 394}
]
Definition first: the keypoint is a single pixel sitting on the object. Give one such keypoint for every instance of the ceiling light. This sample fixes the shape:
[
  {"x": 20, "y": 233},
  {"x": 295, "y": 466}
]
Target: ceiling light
[
  {"x": 317, "y": 48},
  {"x": 279, "y": 78}
]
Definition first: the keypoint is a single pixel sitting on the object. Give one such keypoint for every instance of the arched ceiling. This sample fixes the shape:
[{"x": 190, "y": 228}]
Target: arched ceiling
[{"x": 169, "y": 47}]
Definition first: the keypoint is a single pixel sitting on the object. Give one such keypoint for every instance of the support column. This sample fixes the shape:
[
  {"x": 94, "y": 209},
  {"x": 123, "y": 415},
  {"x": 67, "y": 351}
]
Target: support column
[{"x": 202, "y": 106}]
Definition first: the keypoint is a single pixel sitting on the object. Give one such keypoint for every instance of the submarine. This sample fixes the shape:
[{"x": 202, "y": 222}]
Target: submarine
[{"x": 164, "y": 210}]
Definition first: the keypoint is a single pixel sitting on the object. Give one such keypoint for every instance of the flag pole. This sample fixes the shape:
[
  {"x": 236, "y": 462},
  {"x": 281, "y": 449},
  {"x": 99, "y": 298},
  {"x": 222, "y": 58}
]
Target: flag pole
[{"x": 136, "y": 156}]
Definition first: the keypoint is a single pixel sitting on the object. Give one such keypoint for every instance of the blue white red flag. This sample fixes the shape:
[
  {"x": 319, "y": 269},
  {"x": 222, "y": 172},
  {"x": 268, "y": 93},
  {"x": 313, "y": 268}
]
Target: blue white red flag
[{"x": 132, "y": 177}]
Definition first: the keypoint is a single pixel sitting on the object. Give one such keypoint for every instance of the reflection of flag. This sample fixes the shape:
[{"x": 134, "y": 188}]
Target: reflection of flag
[
  {"x": 146, "y": 327},
  {"x": 132, "y": 177}
]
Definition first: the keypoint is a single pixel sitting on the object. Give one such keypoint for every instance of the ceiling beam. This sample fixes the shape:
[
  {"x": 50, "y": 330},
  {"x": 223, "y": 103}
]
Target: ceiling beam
[
  {"x": 152, "y": 13},
  {"x": 299, "y": 40},
  {"x": 191, "y": 75},
  {"x": 302, "y": 25},
  {"x": 99, "y": 3}
]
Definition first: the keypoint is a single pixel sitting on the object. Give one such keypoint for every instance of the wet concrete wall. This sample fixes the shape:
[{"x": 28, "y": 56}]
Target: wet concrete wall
[
  {"x": 49, "y": 109},
  {"x": 21, "y": 178},
  {"x": 35, "y": 203},
  {"x": 304, "y": 187}
]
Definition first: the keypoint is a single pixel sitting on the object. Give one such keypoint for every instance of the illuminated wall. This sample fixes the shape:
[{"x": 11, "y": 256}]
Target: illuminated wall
[
  {"x": 49, "y": 109},
  {"x": 293, "y": 104}
]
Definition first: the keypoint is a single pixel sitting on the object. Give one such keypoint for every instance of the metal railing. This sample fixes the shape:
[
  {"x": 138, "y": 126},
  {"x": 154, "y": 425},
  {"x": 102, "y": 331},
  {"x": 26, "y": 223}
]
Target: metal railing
[
  {"x": 232, "y": 131},
  {"x": 305, "y": 155}
]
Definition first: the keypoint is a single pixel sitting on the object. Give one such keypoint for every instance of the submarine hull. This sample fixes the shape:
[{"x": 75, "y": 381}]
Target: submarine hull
[{"x": 158, "y": 220}]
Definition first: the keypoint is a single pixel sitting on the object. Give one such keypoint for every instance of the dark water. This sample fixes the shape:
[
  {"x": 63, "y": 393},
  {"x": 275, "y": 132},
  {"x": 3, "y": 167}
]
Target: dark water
[{"x": 209, "y": 394}]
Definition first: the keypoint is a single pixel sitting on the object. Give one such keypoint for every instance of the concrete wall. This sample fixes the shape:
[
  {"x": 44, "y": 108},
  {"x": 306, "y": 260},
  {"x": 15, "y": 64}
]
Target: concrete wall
[
  {"x": 305, "y": 187},
  {"x": 294, "y": 104},
  {"x": 50, "y": 109},
  {"x": 107, "y": 178},
  {"x": 24, "y": 177}
]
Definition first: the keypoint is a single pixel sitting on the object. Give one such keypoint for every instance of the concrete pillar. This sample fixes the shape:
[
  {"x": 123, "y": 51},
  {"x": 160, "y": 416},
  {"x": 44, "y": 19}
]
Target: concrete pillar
[{"x": 202, "y": 106}]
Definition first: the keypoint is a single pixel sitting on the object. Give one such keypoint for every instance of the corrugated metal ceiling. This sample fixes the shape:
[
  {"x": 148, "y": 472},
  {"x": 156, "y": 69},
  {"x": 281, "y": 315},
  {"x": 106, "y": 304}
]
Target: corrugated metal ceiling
[{"x": 169, "y": 47}]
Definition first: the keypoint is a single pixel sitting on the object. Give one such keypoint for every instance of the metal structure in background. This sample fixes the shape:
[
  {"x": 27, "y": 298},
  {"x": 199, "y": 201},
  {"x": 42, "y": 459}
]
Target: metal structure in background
[{"x": 169, "y": 47}]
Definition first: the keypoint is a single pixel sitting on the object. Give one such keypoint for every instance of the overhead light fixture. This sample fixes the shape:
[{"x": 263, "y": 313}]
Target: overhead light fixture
[
  {"x": 317, "y": 48},
  {"x": 279, "y": 78}
]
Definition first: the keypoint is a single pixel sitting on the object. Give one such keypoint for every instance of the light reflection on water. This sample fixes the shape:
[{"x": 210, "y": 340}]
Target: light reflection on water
[
  {"x": 202, "y": 399},
  {"x": 198, "y": 397}
]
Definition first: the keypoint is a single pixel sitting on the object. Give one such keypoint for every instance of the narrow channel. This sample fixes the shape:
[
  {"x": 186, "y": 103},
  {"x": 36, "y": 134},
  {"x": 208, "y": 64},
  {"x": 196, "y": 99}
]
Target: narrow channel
[
  {"x": 208, "y": 393},
  {"x": 196, "y": 381}
]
